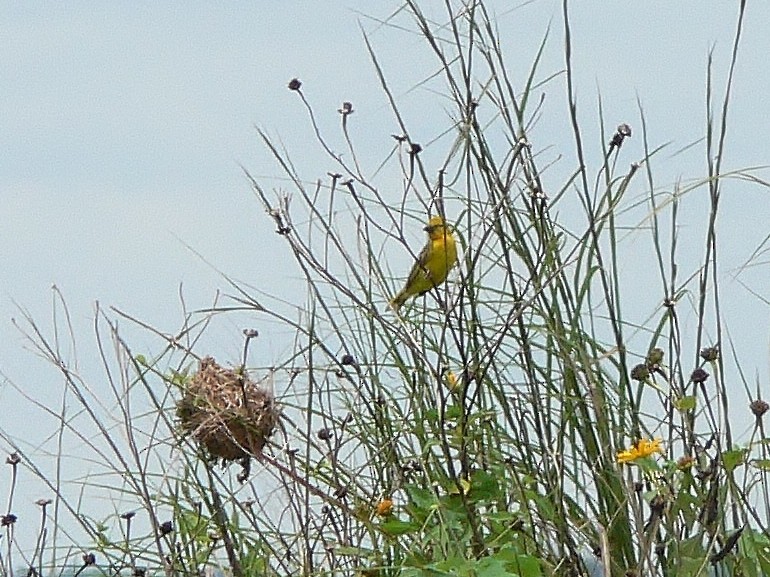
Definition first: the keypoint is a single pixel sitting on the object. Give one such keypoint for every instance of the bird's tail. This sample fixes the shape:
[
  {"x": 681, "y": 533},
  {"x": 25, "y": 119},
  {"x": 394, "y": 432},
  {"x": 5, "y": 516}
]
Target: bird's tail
[{"x": 398, "y": 300}]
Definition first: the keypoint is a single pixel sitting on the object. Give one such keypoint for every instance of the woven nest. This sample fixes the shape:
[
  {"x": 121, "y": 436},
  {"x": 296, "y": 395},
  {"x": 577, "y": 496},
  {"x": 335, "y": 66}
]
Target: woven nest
[{"x": 229, "y": 415}]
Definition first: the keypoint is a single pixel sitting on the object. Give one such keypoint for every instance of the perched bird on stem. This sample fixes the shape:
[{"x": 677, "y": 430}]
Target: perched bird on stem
[{"x": 433, "y": 264}]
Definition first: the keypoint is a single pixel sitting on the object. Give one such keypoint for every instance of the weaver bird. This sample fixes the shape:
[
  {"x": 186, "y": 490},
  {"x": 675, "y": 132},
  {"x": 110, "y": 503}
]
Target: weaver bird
[{"x": 433, "y": 264}]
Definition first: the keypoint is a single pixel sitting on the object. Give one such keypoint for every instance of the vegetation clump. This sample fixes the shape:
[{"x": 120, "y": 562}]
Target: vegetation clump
[{"x": 229, "y": 415}]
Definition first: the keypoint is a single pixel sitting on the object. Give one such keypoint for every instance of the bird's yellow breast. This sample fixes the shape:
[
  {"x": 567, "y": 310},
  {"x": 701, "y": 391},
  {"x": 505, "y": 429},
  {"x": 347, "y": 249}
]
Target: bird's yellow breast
[
  {"x": 433, "y": 264},
  {"x": 442, "y": 256}
]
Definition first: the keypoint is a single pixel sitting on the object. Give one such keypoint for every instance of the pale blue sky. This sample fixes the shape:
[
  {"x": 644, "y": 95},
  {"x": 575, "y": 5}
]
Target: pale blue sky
[{"x": 123, "y": 126}]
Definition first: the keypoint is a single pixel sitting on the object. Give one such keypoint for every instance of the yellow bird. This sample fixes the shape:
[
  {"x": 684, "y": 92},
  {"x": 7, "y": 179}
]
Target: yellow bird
[{"x": 433, "y": 264}]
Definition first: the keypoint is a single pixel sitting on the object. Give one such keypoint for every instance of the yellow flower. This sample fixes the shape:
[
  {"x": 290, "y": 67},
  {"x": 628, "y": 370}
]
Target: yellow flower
[
  {"x": 384, "y": 508},
  {"x": 452, "y": 382},
  {"x": 685, "y": 463},
  {"x": 433, "y": 264},
  {"x": 643, "y": 448},
  {"x": 464, "y": 487}
]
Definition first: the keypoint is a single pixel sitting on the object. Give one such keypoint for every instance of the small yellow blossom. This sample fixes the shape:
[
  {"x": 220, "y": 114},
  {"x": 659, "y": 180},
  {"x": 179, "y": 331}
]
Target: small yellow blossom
[
  {"x": 643, "y": 448},
  {"x": 451, "y": 381},
  {"x": 384, "y": 508},
  {"x": 462, "y": 487},
  {"x": 685, "y": 463}
]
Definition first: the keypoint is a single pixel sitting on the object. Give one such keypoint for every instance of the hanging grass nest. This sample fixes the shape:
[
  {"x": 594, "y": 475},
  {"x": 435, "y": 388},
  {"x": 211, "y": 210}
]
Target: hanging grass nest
[{"x": 229, "y": 415}]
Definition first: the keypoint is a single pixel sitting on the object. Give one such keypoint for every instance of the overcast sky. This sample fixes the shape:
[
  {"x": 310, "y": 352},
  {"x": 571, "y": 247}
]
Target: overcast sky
[{"x": 123, "y": 125}]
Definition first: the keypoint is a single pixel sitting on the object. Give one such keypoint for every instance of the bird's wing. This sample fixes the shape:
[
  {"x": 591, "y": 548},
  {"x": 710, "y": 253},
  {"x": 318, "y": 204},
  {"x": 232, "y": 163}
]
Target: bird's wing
[{"x": 419, "y": 265}]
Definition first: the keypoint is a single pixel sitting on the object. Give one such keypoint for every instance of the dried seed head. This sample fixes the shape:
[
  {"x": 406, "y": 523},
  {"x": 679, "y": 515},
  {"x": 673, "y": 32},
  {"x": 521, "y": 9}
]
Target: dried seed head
[
  {"x": 621, "y": 133},
  {"x": 640, "y": 372},
  {"x": 685, "y": 463},
  {"x": 348, "y": 360},
  {"x": 699, "y": 375},
  {"x": 658, "y": 504},
  {"x": 655, "y": 356},
  {"x": 89, "y": 559},
  {"x": 325, "y": 434},
  {"x": 166, "y": 527},
  {"x": 8, "y": 519},
  {"x": 710, "y": 354},
  {"x": 341, "y": 492},
  {"x": 295, "y": 84},
  {"x": 759, "y": 408}
]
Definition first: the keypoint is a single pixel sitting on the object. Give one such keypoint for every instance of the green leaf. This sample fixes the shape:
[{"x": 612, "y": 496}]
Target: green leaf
[
  {"x": 451, "y": 566},
  {"x": 691, "y": 567},
  {"x": 649, "y": 466},
  {"x": 503, "y": 516},
  {"x": 491, "y": 567},
  {"x": 254, "y": 561},
  {"x": 461, "y": 486},
  {"x": 684, "y": 404},
  {"x": 484, "y": 486},
  {"x": 755, "y": 545},
  {"x": 688, "y": 506},
  {"x": 353, "y": 551},
  {"x": 519, "y": 564},
  {"x": 761, "y": 464},
  {"x": 528, "y": 566},
  {"x": 733, "y": 459},
  {"x": 692, "y": 548},
  {"x": 421, "y": 497},
  {"x": 453, "y": 412},
  {"x": 398, "y": 527}
]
